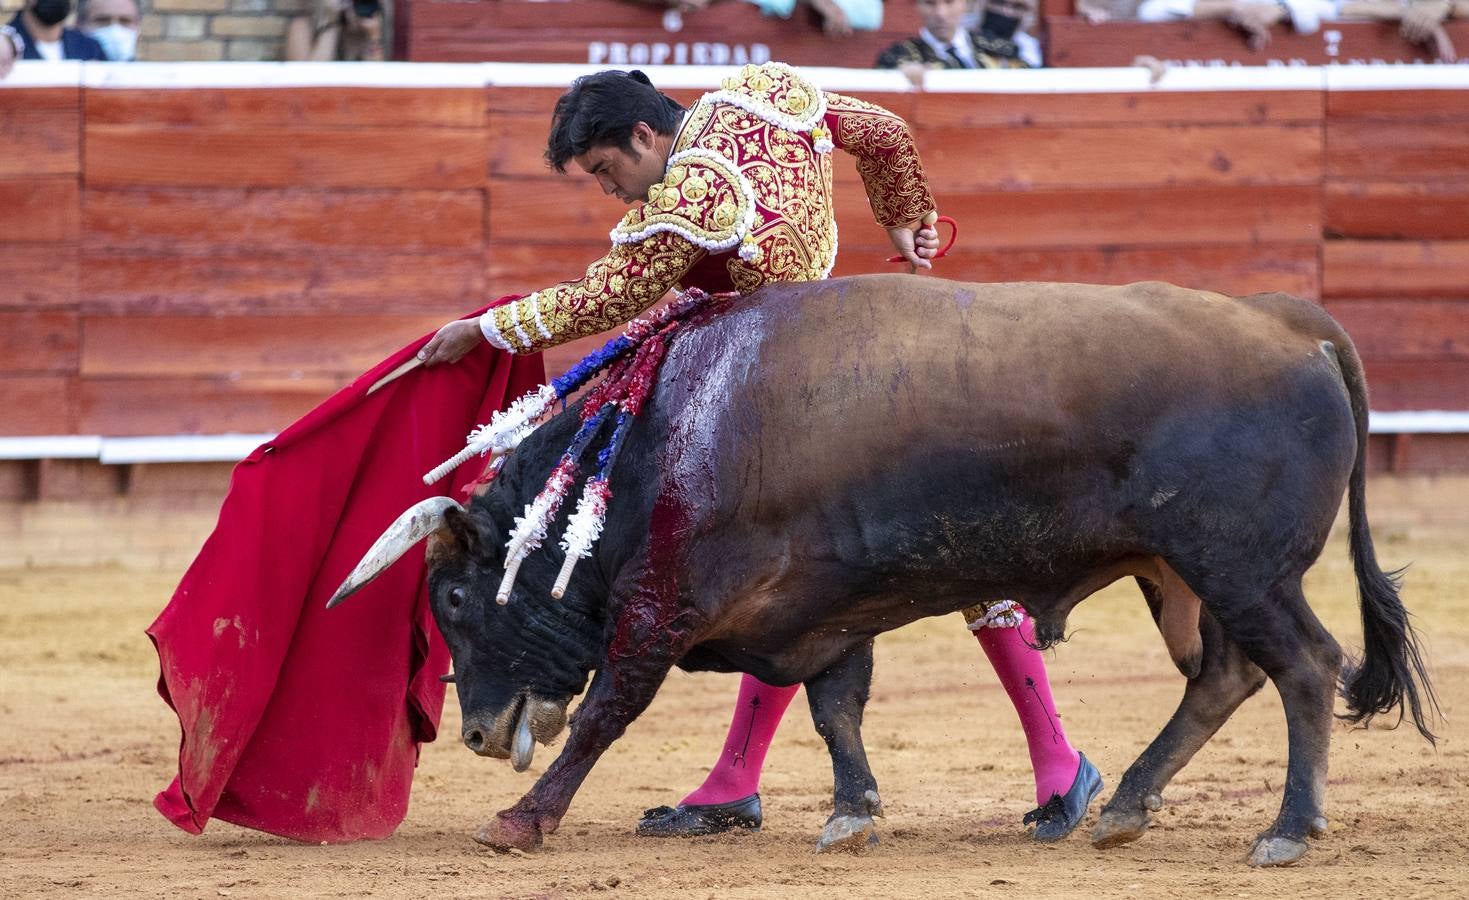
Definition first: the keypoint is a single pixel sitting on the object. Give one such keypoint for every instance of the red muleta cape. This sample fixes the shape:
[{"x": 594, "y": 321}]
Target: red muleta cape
[{"x": 298, "y": 721}]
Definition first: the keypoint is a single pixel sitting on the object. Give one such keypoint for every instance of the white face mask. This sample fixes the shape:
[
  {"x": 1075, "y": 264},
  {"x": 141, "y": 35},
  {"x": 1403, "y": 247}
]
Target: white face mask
[{"x": 119, "y": 42}]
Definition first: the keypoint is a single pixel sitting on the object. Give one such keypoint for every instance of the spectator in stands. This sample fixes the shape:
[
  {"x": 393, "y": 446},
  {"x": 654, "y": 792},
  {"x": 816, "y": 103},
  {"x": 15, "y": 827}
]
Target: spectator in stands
[
  {"x": 1421, "y": 20},
  {"x": 945, "y": 42},
  {"x": 345, "y": 30},
  {"x": 114, "y": 24},
  {"x": 39, "y": 31},
  {"x": 839, "y": 18},
  {"x": 1254, "y": 18}
]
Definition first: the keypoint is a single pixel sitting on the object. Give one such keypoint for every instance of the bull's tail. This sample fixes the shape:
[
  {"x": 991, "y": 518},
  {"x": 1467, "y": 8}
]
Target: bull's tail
[{"x": 1391, "y": 672}]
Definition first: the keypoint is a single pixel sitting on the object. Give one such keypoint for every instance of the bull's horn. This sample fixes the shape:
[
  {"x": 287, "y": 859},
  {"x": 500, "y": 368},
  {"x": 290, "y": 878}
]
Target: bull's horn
[{"x": 418, "y": 522}]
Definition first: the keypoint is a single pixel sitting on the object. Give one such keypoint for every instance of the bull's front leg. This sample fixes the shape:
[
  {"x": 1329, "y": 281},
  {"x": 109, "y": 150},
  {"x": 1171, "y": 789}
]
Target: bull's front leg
[
  {"x": 838, "y": 697},
  {"x": 650, "y": 638}
]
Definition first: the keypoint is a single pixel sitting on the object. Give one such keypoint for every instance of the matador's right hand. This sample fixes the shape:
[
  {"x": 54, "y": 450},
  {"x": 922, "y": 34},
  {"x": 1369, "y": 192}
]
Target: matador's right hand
[{"x": 452, "y": 342}]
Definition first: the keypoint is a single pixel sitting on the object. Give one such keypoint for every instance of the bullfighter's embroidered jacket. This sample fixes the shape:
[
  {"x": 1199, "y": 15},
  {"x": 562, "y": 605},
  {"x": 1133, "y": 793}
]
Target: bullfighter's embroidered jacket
[{"x": 746, "y": 200}]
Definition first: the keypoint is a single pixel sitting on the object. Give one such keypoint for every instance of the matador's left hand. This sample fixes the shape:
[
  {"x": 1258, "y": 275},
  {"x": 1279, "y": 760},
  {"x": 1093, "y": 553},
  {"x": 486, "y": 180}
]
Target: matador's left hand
[
  {"x": 917, "y": 242},
  {"x": 452, "y": 342}
]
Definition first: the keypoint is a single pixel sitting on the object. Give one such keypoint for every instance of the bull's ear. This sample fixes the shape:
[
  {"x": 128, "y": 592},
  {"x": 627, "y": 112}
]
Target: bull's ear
[{"x": 465, "y": 534}]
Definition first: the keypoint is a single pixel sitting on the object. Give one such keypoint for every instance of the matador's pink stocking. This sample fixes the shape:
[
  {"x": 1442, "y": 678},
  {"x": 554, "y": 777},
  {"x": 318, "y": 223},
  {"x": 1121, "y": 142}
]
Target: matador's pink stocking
[
  {"x": 1022, "y": 671},
  {"x": 736, "y": 774}
]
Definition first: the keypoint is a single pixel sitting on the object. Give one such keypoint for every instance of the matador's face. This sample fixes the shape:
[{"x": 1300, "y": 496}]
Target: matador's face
[{"x": 628, "y": 174}]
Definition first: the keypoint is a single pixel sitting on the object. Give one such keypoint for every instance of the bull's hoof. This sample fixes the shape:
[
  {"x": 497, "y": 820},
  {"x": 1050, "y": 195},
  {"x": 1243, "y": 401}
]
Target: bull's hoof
[
  {"x": 510, "y": 833},
  {"x": 1117, "y": 827},
  {"x": 851, "y": 834},
  {"x": 1276, "y": 851}
]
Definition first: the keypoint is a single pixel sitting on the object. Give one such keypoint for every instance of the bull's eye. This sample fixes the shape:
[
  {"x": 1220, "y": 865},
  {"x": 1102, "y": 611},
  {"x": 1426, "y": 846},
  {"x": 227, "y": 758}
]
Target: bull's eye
[{"x": 456, "y": 597}]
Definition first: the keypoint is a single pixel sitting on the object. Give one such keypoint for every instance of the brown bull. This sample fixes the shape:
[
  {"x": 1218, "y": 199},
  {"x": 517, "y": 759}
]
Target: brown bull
[{"x": 825, "y": 462}]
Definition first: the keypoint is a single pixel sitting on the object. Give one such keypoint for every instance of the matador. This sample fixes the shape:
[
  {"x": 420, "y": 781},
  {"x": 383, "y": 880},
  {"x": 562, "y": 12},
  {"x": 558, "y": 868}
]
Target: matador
[{"x": 729, "y": 195}]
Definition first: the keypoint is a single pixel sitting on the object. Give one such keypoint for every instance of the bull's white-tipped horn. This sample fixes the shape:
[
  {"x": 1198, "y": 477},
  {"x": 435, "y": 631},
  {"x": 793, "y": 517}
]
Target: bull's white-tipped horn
[{"x": 418, "y": 522}]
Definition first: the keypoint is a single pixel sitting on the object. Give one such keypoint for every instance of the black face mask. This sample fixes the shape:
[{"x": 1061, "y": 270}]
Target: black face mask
[
  {"x": 999, "y": 25},
  {"x": 51, "y": 12}
]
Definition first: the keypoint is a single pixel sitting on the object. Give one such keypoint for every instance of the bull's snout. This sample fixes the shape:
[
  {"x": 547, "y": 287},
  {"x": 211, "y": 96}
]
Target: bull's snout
[
  {"x": 513, "y": 732},
  {"x": 475, "y": 739}
]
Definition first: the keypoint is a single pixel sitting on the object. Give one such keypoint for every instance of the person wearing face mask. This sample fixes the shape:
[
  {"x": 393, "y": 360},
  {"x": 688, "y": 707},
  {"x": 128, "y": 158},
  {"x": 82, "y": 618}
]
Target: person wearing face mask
[
  {"x": 956, "y": 35},
  {"x": 114, "y": 24},
  {"x": 38, "y": 31}
]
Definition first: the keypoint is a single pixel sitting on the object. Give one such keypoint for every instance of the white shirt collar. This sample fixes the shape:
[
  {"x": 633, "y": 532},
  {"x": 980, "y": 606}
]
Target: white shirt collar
[{"x": 962, "y": 45}]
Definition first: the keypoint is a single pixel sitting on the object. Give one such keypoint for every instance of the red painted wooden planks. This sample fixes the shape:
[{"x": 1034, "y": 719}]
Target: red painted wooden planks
[
  {"x": 276, "y": 346},
  {"x": 1116, "y": 217},
  {"x": 39, "y": 142},
  {"x": 145, "y": 406},
  {"x": 348, "y": 284},
  {"x": 527, "y": 265},
  {"x": 1402, "y": 106},
  {"x": 37, "y": 404},
  {"x": 38, "y": 342},
  {"x": 1229, "y": 270},
  {"x": 305, "y": 107},
  {"x": 298, "y": 219},
  {"x": 1421, "y": 211},
  {"x": 1122, "y": 108},
  {"x": 40, "y": 100},
  {"x": 1411, "y": 269},
  {"x": 1088, "y": 156},
  {"x": 1395, "y": 329},
  {"x": 518, "y": 144},
  {"x": 1366, "y": 149},
  {"x": 38, "y": 210},
  {"x": 38, "y": 276},
  {"x": 377, "y": 157},
  {"x": 1441, "y": 383}
]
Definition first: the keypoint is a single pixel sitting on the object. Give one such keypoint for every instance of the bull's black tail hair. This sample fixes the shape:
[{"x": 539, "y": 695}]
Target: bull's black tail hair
[{"x": 1391, "y": 674}]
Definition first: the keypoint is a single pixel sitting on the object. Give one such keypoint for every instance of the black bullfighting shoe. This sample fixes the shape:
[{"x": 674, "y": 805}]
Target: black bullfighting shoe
[
  {"x": 696, "y": 819},
  {"x": 1060, "y": 815}
]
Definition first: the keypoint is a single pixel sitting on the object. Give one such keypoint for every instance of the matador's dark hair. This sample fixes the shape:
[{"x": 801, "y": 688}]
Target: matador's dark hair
[{"x": 602, "y": 109}]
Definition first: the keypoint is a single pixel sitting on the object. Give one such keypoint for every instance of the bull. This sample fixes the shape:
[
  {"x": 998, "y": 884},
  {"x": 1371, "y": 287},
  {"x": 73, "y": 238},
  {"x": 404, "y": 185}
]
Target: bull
[{"x": 825, "y": 462}]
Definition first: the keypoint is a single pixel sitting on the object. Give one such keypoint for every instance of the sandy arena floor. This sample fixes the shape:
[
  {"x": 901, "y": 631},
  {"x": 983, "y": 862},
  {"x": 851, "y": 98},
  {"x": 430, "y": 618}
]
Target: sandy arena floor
[{"x": 85, "y": 743}]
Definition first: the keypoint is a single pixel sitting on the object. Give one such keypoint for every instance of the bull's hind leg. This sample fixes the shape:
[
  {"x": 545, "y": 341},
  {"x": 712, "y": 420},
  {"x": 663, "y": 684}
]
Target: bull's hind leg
[
  {"x": 1280, "y": 634},
  {"x": 1304, "y": 661},
  {"x": 838, "y": 697},
  {"x": 1225, "y": 678}
]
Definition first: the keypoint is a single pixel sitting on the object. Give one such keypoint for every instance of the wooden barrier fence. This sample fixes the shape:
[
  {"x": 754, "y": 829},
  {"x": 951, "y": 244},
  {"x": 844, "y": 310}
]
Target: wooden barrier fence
[{"x": 204, "y": 250}]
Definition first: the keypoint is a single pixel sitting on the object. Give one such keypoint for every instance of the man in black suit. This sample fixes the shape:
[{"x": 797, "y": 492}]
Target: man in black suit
[
  {"x": 944, "y": 42},
  {"x": 38, "y": 31}
]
